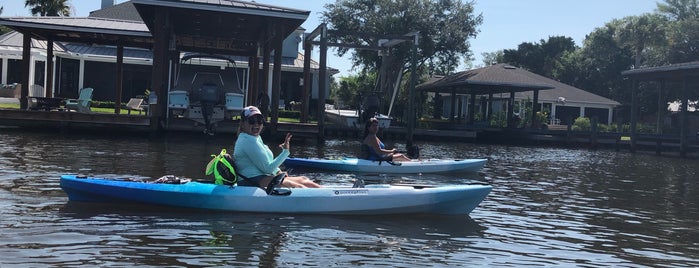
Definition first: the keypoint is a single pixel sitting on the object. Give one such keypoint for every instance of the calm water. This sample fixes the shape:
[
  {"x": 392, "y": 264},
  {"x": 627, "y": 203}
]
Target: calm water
[{"x": 548, "y": 207}]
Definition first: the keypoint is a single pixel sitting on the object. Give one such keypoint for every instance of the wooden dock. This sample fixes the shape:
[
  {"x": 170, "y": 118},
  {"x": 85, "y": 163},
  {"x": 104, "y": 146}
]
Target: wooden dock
[
  {"x": 74, "y": 121},
  {"x": 101, "y": 122}
]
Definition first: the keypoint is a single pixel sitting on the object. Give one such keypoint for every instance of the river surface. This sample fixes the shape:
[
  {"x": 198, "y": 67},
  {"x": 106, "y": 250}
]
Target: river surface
[{"x": 549, "y": 207}]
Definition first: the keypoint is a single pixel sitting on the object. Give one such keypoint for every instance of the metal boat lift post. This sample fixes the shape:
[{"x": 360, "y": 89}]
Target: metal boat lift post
[{"x": 386, "y": 43}]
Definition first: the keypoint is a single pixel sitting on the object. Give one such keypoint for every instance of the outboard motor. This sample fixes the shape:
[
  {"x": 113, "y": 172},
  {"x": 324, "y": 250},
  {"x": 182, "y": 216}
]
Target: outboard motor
[{"x": 208, "y": 95}]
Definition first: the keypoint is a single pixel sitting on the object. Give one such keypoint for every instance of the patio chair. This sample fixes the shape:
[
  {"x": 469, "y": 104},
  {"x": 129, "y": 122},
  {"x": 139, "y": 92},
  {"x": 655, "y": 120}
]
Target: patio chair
[
  {"x": 82, "y": 104},
  {"x": 135, "y": 104}
]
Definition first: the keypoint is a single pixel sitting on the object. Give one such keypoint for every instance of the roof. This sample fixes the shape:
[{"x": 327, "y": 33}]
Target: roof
[
  {"x": 212, "y": 26},
  {"x": 230, "y": 6},
  {"x": 15, "y": 39},
  {"x": 219, "y": 26},
  {"x": 498, "y": 78},
  {"x": 123, "y": 11},
  {"x": 664, "y": 71},
  {"x": 502, "y": 78},
  {"x": 567, "y": 92},
  {"x": 85, "y": 29}
]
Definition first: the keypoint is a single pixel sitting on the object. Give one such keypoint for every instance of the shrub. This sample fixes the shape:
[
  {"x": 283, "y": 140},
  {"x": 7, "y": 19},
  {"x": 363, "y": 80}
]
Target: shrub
[{"x": 581, "y": 124}]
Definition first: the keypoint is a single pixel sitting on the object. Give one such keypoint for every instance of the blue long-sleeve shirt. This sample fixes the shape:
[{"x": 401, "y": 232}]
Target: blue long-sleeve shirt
[{"x": 254, "y": 158}]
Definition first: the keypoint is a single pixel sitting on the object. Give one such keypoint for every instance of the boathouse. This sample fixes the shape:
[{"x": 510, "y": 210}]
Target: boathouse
[
  {"x": 122, "y": 50},
  {"x": 677, "y": 97}
]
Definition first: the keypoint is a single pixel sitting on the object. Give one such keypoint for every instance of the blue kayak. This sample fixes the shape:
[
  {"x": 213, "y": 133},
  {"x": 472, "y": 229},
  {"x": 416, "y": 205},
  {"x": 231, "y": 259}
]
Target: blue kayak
[
  {"x": 369, "y": 200},
  {"x": 406, "y": 167}
]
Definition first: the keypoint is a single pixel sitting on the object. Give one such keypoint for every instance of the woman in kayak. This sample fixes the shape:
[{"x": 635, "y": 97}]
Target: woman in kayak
[
  {"x": 255, "y": 161},
  {"x": 374, "y": 148}
]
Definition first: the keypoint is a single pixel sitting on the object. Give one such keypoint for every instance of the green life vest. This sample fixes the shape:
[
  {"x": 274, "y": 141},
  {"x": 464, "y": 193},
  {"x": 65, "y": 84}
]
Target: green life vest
[{"x": 222, "y": 167}]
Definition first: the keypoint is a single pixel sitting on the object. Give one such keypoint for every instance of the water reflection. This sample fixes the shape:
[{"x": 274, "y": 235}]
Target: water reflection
[{"x": 222, "y": 239}]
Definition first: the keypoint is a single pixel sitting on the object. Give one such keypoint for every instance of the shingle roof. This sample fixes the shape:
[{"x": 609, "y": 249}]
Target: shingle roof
[
  {"x": 502, "y": 78},
  {"x": 498, "y": 78},
  {"x": 568, "y": 92},
  {"x": 123, "y": 11}
]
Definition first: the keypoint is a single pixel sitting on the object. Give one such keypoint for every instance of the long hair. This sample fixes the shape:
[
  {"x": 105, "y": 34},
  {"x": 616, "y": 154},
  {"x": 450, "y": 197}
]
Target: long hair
[{"x": 367, "y": 125}]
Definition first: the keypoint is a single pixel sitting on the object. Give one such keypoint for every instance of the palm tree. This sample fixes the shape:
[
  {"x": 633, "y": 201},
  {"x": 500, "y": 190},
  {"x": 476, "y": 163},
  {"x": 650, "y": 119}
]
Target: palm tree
[{"x": 48, "y": 7}]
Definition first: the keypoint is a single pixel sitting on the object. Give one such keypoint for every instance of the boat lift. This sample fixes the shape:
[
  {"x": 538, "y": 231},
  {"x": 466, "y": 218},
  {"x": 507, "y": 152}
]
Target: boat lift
[
  {"x": 384, "y": 43},
  {"x": 206, "y": 99}
]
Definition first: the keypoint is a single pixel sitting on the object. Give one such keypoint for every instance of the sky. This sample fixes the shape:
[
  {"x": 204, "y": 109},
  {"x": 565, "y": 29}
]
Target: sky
[{"x": 506, "y": 23}]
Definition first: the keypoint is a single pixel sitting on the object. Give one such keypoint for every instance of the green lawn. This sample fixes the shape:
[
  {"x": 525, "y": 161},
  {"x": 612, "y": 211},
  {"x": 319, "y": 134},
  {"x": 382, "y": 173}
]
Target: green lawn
[
  {"x": 124, "y": 111},
  {"x": 93, "y": 109},
  {"x": 9, "y": 105}
]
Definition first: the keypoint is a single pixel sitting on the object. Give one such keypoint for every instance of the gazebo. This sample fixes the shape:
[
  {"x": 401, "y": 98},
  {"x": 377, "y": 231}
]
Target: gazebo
[{"x": 491, "y": 80}]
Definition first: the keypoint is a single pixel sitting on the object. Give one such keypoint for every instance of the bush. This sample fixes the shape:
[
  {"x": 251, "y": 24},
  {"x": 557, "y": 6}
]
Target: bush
[
  {"x": 102, "y": 104},
  {"x": 581, "y": 124},
  {"x": 498, "y": 119}
]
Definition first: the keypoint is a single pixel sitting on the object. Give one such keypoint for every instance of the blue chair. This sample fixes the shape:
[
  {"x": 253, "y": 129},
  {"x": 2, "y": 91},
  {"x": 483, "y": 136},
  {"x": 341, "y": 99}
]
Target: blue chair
[{"x": 82, "y": 104}]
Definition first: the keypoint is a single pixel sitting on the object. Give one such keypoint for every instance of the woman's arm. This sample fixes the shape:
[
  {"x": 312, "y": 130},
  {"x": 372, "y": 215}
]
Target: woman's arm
[{"x": 261, "y": 156}]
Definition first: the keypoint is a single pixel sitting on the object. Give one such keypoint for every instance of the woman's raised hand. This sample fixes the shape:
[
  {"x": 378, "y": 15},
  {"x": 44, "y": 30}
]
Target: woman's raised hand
[{"x": 285, "y": 145}]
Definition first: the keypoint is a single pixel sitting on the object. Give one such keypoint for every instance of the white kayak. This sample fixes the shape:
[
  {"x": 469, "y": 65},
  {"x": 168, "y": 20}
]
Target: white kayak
[
  {"x": 370, "y": 200},
  {"x": 406, "y": 167}
]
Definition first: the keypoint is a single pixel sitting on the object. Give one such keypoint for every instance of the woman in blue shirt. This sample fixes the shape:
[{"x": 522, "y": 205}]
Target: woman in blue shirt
[{"x": 255, "y": 161}]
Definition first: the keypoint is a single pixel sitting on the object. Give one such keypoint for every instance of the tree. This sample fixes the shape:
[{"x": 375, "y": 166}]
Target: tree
[
  {"x": 48, "y": 7},
  {"x": 679, "y": 9},
  {"x": 639, "y": 33},
  {"x": 539, "y": 57},
  {"x": 600, "y": 63},
  {"x": 683, "y": 40},
  {"x": 3, "y": 29},
  {"x": 492, "y": 58},
  {"x": 444, "y": 29},
  {"x": 351, "y": 88}
]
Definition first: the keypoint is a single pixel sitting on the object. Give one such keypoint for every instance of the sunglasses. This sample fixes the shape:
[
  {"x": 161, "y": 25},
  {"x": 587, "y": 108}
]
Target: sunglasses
[{"x": 256, "y": 120}]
